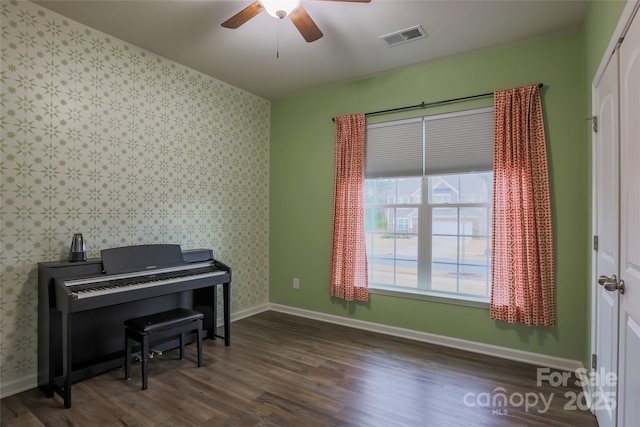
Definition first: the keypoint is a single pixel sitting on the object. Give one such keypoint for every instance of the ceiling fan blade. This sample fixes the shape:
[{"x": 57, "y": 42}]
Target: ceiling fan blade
[
  {"x": 305, "y": 24},
  {"x": 244, "y": 15}
]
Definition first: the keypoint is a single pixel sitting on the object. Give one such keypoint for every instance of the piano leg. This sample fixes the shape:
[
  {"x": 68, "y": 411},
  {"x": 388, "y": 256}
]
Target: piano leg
[
  {"x": 67, "y": 367},
  {"x": 49, "y": 389},
  {"x": 226, "y": 291},
  {"x": 214, "y": 309},
  {"x": 226, "y": 308}
]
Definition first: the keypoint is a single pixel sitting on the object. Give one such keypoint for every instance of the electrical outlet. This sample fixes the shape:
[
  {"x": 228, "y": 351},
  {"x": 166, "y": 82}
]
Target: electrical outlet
[{"x": 296, "y": 283}]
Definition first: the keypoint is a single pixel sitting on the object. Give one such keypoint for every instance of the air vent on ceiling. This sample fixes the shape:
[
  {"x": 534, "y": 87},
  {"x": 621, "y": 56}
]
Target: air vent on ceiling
[{"x": 404, "y": 36}]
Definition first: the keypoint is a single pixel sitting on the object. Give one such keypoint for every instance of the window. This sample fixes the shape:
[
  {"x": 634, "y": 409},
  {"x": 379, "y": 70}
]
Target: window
[{"x": 428, "y": 200}]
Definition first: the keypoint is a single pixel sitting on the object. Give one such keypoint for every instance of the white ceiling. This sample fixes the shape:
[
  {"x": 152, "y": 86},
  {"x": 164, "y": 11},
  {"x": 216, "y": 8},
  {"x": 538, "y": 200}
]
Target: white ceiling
[{"x": 189, "y": 32}]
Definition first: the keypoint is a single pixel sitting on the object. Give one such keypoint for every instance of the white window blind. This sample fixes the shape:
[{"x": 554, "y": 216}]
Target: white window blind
[
  {"x": 440, "y": 144},
  {"x": 394, "y": 149}
]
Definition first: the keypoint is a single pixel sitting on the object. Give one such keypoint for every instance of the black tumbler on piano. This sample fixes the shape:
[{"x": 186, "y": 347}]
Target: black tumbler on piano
[{"x": 78, "y": 251}]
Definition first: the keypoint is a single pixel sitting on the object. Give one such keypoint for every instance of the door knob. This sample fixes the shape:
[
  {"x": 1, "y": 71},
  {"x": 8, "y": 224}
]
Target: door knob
[
  {"x": 611, "y": 283},
  {"x": 614, "y": 285}
]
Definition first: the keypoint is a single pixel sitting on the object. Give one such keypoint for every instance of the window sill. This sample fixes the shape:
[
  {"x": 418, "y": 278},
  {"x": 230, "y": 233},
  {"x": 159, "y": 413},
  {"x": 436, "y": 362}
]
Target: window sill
[{"x": 430, "y": 296}]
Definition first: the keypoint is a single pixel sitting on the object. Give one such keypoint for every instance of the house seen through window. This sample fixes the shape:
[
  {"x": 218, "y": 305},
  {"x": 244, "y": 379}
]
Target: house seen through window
[{"x": 428, "y": 228}]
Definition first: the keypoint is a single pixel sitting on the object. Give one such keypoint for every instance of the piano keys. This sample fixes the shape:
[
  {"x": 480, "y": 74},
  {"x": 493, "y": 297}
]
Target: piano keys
[
  {"x": 93, "y": 291},
  {"x": 94, "y": 287},
  {"x": 88, "y": 302}
]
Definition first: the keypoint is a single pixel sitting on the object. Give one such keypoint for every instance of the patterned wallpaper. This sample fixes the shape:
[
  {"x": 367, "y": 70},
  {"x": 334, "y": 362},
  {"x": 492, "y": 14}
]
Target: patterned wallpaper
[{"x": 105, "y": 139}]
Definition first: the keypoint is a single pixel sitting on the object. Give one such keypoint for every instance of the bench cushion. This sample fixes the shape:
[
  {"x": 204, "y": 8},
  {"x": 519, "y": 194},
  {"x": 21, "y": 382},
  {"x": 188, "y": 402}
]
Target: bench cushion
[{"x": 165, "y": 320}]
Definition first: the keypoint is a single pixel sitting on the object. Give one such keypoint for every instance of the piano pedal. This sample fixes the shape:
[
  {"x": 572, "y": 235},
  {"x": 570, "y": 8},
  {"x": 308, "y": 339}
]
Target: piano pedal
[{"x": 137, "y": 356}]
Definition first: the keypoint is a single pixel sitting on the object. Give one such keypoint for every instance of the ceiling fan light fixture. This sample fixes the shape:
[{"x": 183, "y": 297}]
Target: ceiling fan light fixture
[{"x": 280, "y": 8}]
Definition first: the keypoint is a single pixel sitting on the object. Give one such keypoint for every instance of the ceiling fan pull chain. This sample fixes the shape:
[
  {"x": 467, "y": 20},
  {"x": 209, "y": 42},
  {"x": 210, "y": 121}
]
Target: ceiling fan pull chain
[{"x": 278, "y": 40}]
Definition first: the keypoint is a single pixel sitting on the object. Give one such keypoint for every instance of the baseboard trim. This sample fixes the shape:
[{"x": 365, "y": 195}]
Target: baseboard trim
[
  {"x": 31, "y": 381},
  {"x": 235, "y": 316},
  {"x": 536, "y": 359},
  {"x": 9, "y": 388}
]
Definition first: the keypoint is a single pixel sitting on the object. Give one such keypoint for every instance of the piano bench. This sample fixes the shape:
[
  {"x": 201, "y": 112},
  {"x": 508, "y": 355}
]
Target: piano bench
[{"x": 148, "y": 329}]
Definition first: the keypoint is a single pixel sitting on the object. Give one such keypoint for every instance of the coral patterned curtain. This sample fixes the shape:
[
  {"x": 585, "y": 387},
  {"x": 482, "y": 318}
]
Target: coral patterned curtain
[
  {"x": 348, "y": 251},
  {"x": 523, "y": 289}
]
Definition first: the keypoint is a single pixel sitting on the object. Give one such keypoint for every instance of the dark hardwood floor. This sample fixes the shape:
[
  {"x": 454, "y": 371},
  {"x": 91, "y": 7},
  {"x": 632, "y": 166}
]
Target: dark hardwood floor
[{"x": 283, "y": 370}]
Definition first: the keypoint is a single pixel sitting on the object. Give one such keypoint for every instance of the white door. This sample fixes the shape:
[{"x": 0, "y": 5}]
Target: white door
[
  {"x": 629, "y": 356},
  {"x": 606, "y": 181}
]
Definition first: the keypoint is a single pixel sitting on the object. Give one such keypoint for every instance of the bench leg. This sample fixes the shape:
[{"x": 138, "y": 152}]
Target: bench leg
[
  {"x": 127, "y": 357},
  {"x": 199, "y": 340},
  {"x": 182, "y": 346},
  {"x": 145, "y": 360}
]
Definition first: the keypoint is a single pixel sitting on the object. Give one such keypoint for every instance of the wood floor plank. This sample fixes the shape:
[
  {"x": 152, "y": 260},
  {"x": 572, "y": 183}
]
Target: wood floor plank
[{"x": 283, "y": 370}]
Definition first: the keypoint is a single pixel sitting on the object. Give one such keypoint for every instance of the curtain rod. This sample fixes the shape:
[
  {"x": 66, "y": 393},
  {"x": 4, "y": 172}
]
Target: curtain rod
[{"x": 428, "y": 104}]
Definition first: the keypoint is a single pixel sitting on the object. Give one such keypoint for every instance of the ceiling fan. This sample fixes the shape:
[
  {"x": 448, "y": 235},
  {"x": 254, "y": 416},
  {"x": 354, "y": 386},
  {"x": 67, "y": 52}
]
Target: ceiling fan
[{"x": 281, "y": 9}]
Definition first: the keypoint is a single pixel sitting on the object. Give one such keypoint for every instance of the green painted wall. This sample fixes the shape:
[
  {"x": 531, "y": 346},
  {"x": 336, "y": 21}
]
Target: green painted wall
[{"x": 301, "y": 182}]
